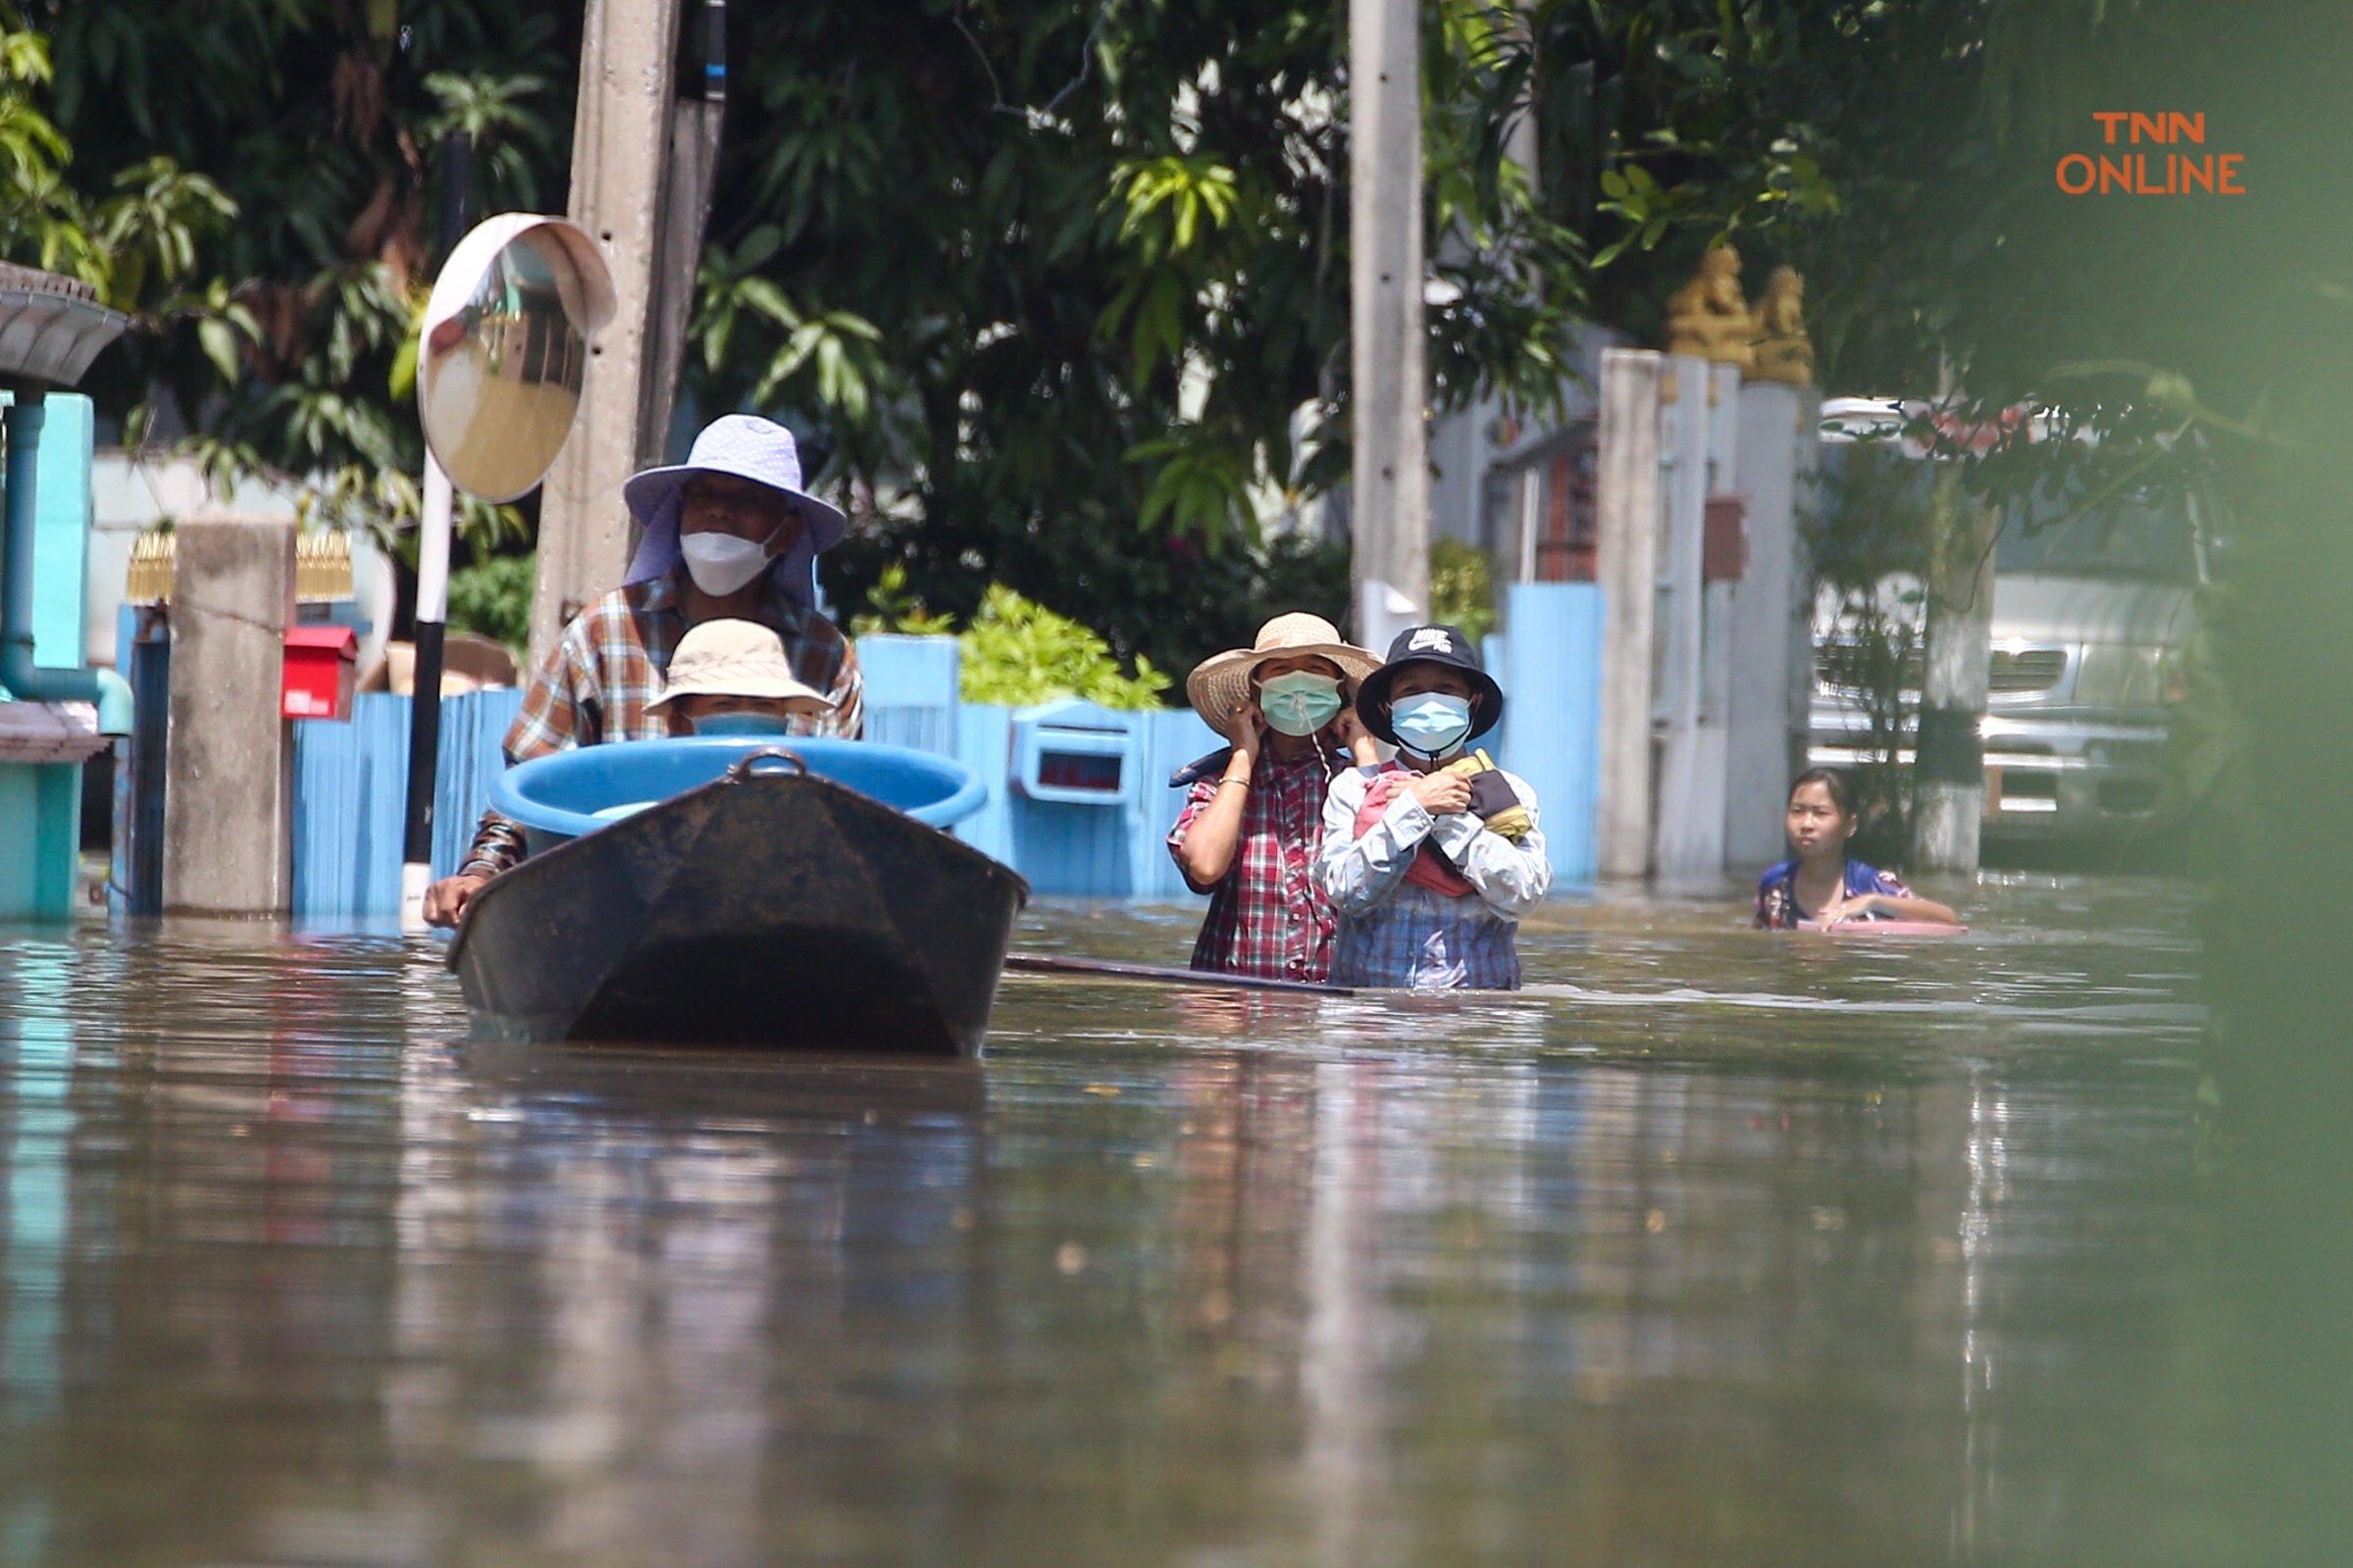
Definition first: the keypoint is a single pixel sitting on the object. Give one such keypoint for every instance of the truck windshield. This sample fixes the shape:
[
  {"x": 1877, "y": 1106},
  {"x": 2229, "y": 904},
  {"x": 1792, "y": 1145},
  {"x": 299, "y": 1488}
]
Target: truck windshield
[{"x": 2136, "y": 533}]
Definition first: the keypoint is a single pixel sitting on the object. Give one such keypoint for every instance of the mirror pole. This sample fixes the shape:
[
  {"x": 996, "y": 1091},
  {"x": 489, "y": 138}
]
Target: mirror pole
[{"x": 424, "y": 701}]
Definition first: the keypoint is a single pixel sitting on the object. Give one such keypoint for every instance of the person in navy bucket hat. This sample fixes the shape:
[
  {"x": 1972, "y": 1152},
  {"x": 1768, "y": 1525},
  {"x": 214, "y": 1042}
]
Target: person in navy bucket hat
[{"x": 731, "y": 534}]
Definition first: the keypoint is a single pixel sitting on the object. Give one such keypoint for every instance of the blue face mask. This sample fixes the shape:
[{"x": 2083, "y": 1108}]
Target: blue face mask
[
  {"x": 1432, "y": 724},
  {"x": 742, "y": 724}
]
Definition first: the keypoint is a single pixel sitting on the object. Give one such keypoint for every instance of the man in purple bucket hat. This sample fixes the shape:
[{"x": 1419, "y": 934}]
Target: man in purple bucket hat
[{"x": 730, "y": 533}]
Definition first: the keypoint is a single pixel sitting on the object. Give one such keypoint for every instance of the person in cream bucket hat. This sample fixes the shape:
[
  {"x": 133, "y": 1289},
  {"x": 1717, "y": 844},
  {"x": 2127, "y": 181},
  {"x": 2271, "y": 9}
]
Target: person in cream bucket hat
[
  {"x": 731, "y": 677},
  {"x": 730, "y": 534},
  {"x": 1250, "y": 824}
]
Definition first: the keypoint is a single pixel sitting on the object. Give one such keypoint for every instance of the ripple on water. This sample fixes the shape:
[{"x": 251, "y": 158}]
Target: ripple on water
[{"x": 1709, "y": 1246}]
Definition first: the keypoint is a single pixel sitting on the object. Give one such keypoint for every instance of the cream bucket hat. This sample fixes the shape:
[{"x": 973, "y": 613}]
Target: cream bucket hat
[
  {"x": 733, "y": 659},
  {"x": 1221, "y": 686}
]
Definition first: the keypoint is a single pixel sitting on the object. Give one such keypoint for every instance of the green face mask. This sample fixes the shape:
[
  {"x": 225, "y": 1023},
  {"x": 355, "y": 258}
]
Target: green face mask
[{"x": 1299, "y": 703}]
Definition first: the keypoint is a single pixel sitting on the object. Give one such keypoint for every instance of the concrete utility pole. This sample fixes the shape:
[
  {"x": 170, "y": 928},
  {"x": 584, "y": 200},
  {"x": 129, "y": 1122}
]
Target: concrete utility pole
[
  {"x": 695, "y": 136},
  {"x": 1949, "y": 779},
  {"x": 1390, "y": 507},
  {"x": 621, "y": 156}
]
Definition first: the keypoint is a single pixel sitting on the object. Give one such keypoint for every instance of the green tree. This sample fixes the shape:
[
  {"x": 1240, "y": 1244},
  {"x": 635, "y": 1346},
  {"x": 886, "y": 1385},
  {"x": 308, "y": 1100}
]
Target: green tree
[
  {"x": 133, "y": 235},
  {"x": 1064, "y": 291},
  {"x": 318, "y": 125}
]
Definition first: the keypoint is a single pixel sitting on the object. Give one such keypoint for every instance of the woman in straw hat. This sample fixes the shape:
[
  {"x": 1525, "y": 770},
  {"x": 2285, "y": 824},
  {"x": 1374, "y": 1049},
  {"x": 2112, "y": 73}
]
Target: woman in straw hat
[{"x": 1249, "y": 832}]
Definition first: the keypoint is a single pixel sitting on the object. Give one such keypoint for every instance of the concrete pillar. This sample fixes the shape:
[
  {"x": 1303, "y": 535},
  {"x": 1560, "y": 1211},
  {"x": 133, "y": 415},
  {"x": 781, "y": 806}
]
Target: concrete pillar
[
  {"x": 1948, "y": 801},
  {"x": 229, "y": 770},
  {"x": 1724, "y": 479},
  {"x": 1689, "y": 836},
  {"x": 1627, "y": 506},
  {"x": 621, "y": 140},
  {"x": 1799, "y": 630},
  {"x": 1770, "y": 665},
  {"x": 1390, "y": 483}
]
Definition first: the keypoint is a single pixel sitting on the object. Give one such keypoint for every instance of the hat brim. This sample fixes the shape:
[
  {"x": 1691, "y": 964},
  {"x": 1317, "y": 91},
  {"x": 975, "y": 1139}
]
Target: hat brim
[
  {"x": 647, "y": 493},
  {"x": 1372, "y": 699},
  {"x": 758, "y": 685},
  {"x": 1221, "y": 686}
]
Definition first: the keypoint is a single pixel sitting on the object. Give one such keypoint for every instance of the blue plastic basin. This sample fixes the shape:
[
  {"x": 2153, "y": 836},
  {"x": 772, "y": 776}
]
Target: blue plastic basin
[{"x": 568, "y": 793}]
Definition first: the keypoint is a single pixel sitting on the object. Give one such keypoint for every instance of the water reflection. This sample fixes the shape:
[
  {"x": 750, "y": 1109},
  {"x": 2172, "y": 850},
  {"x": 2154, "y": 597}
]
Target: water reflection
[{"x": 1724, "y": 1251}]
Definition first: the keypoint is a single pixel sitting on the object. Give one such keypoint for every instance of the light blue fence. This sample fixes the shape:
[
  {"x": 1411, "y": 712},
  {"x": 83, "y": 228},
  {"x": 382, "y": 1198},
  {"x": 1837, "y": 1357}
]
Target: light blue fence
[
  {"x": 1113, "y": 849},
  {"x": 1549, "y": 662},
  {"x": 350, "y": 776},
  {"x": 351, "y": 791},
  {"x": 911, "y": 691},
  {"x": 1548, "y": 658}
]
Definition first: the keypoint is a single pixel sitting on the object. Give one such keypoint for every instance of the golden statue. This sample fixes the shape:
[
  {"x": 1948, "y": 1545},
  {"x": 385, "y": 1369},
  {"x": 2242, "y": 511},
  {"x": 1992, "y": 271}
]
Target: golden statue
[
  {"x": 1709, "y": 316},
  {"x": 1783, "y": 351}
]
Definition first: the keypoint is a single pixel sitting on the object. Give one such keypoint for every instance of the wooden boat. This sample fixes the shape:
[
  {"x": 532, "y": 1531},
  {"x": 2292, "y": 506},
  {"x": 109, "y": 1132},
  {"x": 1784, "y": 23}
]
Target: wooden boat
[{"x": 770, "y": 906}]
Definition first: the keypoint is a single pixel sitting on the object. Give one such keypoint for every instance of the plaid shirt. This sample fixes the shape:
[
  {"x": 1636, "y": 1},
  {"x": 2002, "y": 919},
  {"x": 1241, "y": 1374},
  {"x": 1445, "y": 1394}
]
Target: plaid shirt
[
  {"x": 600, "y": 680},
  {"x": 1266, "y": 916}
]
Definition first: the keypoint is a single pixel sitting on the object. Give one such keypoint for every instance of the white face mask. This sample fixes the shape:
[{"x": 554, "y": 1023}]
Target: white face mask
[{"x": 721, "y": 563}]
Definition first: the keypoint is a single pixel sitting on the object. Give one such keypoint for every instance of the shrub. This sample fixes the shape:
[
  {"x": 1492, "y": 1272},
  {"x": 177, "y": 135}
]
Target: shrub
[
  {"x": 493, "y": 597},
  {"x": 1462, "y": 588},
  {"x": 1017, "y": 652}
]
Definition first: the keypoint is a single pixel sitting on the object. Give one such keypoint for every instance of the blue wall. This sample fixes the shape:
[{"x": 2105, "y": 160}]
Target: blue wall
[
  {"x": 40, "y": 840},
  {"x": 1110, "y": 850},
  {"x": 61, "y": 531},
  {"x": 349, "y": 777},
  {"x": 40, "y": 803},
  {"x": 352, "y": 791},
  {"x": 1548, "y": 661}
]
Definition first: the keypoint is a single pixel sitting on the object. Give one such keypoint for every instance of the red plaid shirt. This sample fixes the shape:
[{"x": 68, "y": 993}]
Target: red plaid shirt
[
  {"x": 600, "y": 680},
  {"x": 1266, "y": 915}
]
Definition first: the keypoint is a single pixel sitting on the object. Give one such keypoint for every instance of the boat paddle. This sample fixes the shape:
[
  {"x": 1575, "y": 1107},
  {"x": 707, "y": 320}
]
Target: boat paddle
[{"x": 1107, "y": 969}]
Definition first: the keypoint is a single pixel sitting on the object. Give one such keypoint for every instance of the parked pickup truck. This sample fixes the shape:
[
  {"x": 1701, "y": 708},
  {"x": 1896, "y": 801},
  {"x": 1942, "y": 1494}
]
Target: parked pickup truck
[{"x": 2091, "y": 613}]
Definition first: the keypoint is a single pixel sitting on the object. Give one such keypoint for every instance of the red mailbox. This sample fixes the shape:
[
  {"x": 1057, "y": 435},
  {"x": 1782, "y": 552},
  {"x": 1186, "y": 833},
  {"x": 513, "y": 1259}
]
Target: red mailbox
[{"x": 321, "y": 664}]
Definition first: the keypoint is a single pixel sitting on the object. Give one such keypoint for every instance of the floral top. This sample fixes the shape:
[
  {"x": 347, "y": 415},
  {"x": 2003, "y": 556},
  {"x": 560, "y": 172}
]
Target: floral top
[{"x": 1777, "y": 893}]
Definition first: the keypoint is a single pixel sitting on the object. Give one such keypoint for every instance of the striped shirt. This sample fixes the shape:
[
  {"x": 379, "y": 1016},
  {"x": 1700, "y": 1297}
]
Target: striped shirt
[{"x": 600, "y": 680}]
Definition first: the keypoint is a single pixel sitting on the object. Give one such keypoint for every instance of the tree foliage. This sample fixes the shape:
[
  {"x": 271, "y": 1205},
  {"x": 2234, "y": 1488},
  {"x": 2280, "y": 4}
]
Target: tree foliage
[
  {"x": 1064, "y": 291},
  {"x": 133, "y": 236},
  {"x": 275, "y": 343}
]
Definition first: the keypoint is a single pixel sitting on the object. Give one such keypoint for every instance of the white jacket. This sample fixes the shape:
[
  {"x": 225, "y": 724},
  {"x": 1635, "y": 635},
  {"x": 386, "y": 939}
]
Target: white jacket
[{"x": 1357, "y": 874}]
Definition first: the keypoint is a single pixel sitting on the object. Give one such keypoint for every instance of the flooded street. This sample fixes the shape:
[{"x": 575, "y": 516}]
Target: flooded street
[{"x": 1711, "y": 1248}]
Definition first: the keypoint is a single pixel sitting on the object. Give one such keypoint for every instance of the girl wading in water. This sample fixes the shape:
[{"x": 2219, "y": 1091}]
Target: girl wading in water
[
  {"x": 1250, "y": 826},
  {"x": 1823, "y": 884}
]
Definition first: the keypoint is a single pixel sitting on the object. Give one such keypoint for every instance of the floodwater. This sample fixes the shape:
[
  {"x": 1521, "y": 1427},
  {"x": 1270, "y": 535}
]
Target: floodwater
[{"x": 1715, "y": 1248}]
